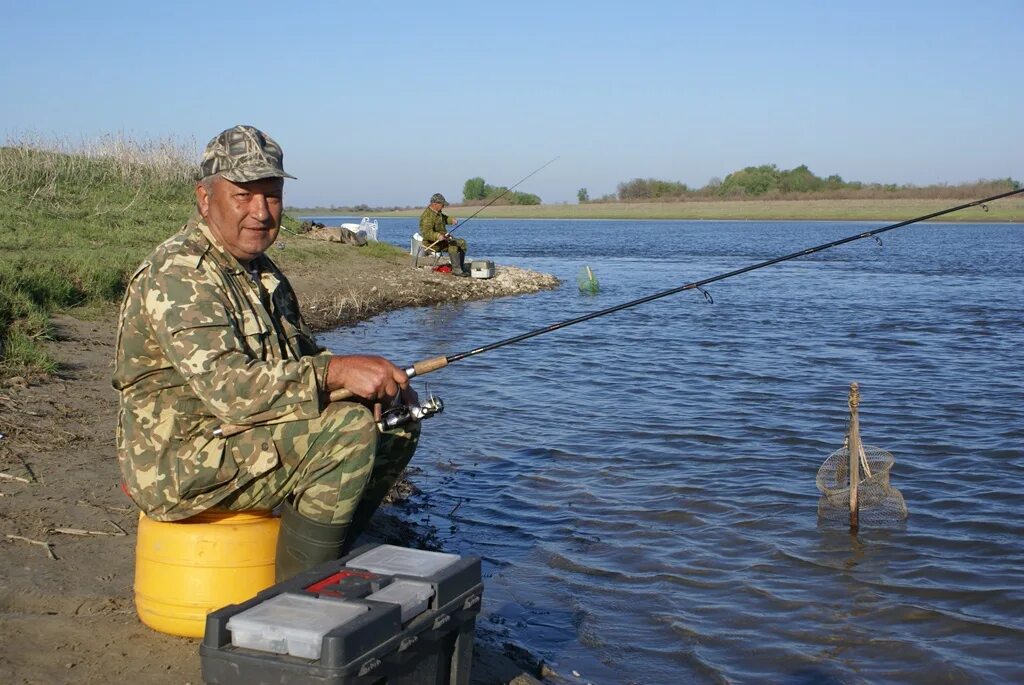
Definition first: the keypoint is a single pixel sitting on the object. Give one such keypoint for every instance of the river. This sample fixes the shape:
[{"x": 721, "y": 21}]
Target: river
[{"x": 641, "y": 487}]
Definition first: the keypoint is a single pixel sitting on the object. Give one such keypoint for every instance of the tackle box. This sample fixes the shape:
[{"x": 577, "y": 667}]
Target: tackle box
[
  {"x": 380, "y": 615},
  {"x": 481, "y": 268}
]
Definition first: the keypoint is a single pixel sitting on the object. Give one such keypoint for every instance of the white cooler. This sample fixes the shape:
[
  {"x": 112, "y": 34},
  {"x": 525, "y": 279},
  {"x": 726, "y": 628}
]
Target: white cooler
[{"x": 481, "y": 268}]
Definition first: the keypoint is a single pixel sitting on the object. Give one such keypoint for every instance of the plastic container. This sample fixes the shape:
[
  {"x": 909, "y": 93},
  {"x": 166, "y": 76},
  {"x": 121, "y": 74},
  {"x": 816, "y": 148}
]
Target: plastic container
[
  {"x": 481, "y": 268},
  {"x": 413, "y": 596},
  {"x": 186, "y": 569},
  {"x": 291, "y": 624},
  {"x": 393, "y": 560},
  {"x": 384, "y": 644},
  {"x": 369, "y": 226}
]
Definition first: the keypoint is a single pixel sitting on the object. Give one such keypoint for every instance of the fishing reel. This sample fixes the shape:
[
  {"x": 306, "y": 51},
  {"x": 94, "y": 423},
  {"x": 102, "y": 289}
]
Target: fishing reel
[{"x": 402, "y": 414}]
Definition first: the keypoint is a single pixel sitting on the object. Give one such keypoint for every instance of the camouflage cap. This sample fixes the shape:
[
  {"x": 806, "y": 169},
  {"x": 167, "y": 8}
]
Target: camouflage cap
[
  {"x": 438, "y": 198},
  {"x": 243, "y": 153}
]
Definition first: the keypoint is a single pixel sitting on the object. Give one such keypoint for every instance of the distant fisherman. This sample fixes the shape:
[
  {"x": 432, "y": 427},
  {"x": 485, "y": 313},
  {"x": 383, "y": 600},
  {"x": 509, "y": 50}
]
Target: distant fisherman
[
  {"x": 210, "y": 334},
  {"x": 434, "y": 229}
]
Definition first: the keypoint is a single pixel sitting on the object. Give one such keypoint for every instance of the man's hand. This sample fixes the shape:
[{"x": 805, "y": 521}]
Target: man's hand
[
  {"x": 369, "y": 377},
  {"x": 410, "y": 396},
  {"x": 452, "y": 220}
]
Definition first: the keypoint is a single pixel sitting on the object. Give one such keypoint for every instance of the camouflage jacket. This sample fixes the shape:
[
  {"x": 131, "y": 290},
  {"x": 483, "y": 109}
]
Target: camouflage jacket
[
  {"x": 200, "y": 344},
  {"x": 433, "y": 225}
]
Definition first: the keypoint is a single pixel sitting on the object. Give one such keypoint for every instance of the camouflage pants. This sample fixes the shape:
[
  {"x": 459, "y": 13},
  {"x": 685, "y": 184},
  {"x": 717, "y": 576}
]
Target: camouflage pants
[
  {"x": 327, "y": 464},
  {"x": 453, "y": 245}
]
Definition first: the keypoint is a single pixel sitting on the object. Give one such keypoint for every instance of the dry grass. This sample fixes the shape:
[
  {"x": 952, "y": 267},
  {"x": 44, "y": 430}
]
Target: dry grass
[
  {"x": 326, "y": 310},
  {"x": 40, "y": 162}
]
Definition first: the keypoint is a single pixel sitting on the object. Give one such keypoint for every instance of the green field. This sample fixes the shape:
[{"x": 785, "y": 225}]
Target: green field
[{"x": 882, "y": 209}]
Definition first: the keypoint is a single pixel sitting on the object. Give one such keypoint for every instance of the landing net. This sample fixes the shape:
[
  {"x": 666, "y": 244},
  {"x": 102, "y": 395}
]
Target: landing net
[
  {"x": 880, "y": 502},
  {"x": 854, "y": 480},
  {"x": 587, "y": 281}
]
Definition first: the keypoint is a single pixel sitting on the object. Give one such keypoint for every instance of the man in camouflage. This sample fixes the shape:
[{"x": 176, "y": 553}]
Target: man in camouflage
[
  {"x": 211, "y": 335},
  {"x": 434, "y": 229}
]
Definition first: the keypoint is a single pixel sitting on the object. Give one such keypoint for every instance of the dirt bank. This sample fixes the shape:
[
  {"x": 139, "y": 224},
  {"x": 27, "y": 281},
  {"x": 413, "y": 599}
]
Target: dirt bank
[{"x": 66, "y": 611}]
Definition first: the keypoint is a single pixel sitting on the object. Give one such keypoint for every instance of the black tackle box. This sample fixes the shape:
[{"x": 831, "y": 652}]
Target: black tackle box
[{"x": 381, "y": 615}]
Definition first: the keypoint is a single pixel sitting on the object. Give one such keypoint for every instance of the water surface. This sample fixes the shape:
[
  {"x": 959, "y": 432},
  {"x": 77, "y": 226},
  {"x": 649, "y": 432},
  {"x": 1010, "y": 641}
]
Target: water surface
[{"x": 641, "y": 486}]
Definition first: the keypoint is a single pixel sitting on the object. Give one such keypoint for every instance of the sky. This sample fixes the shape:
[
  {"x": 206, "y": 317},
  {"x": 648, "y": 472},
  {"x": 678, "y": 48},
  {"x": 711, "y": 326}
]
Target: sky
[{"x": 385, "y": 103}]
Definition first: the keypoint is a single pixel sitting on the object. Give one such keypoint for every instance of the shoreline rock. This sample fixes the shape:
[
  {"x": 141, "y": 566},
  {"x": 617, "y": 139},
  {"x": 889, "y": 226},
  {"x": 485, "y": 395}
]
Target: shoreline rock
[{"x": 327, "y": 307}]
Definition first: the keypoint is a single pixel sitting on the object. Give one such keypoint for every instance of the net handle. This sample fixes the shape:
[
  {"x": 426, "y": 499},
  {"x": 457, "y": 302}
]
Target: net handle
[{"x": 854, "y": 456}]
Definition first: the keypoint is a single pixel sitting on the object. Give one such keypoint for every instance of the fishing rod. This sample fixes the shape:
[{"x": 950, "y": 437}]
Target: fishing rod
[
  {"x": 428, "y": 365},
  {"x": 434, "y": 363},
  {"x": 493, "y": 200}
]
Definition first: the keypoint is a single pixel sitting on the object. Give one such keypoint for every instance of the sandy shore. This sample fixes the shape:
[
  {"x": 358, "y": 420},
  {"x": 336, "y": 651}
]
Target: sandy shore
[{"x": 66, "y": 608}]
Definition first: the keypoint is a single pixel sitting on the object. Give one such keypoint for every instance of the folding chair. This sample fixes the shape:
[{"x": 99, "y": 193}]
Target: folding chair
[{"x": 417, "y": 249}]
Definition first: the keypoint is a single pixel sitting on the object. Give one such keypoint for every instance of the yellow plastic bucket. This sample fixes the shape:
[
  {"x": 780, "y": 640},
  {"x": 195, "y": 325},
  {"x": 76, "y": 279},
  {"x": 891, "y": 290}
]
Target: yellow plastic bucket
[{"x": 186, "y": 569}]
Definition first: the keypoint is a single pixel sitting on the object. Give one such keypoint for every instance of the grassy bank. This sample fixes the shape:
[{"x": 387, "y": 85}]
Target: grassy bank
[
  {"x": 1006, "y": 210},
  {"x": 76, "y": 224}
]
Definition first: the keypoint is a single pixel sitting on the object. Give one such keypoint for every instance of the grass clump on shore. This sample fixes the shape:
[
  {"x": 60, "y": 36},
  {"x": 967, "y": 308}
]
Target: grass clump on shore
[{"x": 79, "y": 220}]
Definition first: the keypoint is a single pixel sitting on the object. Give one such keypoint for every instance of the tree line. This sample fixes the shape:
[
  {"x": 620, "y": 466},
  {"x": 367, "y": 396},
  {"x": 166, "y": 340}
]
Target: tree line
[
  {"x": 767, "y": 181},
  {"x": 476, "y": 190}
]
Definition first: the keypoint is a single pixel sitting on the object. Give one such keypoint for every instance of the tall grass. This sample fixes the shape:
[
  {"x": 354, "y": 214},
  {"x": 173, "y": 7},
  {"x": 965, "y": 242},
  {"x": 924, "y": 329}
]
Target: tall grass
[
  {"x": 37, "y": 164},
  {"x": 77, "y": 220}
]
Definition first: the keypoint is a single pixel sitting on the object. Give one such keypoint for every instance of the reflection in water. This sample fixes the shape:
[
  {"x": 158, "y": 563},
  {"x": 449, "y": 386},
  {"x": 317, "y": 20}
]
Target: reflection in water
[{"x": 641, "y": 487}]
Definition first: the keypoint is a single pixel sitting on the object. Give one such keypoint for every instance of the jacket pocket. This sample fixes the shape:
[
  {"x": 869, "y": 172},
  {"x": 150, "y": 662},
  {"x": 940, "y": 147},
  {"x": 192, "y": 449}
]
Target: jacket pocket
[
  {"x": 203, "y": 466},
  {"x": 253, "y": 451}
]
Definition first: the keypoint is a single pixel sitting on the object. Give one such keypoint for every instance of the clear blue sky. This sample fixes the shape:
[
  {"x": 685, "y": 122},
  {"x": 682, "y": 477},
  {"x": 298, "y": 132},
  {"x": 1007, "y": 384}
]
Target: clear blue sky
[{"x": 388, "y": 102}]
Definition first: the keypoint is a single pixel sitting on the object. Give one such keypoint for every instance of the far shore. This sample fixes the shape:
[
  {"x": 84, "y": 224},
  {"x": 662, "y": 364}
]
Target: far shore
[{"x": 1008, "y": 210}]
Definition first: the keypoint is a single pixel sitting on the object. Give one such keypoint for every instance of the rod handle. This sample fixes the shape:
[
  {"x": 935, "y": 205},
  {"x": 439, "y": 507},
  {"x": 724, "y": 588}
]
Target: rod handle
[
  {"x": 418, "y": 369},
  {"x": 428, "y": 365}
]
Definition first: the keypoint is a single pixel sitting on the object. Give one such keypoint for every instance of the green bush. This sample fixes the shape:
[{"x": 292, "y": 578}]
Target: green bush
[
  {"x": 523, "y": 199},
  {"x": 644, "y": 189},
  {"x": 478, "y": 190}
]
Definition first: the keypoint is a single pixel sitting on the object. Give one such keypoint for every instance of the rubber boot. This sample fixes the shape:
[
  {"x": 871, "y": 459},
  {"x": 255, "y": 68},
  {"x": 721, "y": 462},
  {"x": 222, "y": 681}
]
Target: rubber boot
[
  {"x": 459, "y": 258},
  {"x": 373, "y": 496},
  {"x": 360, "y": 522},
  {"x": 304, "y": 543}
]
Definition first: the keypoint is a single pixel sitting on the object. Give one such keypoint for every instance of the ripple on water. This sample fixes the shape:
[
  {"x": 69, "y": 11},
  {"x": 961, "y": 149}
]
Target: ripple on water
[{"x": 642, "y": 486}]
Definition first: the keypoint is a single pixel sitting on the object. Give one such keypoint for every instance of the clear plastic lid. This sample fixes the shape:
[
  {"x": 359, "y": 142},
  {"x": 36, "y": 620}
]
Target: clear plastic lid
[
  {"x": 291, "y": 623},
  {"x": 413, "y": 595},
  {"x": 393, "y": 560}
]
